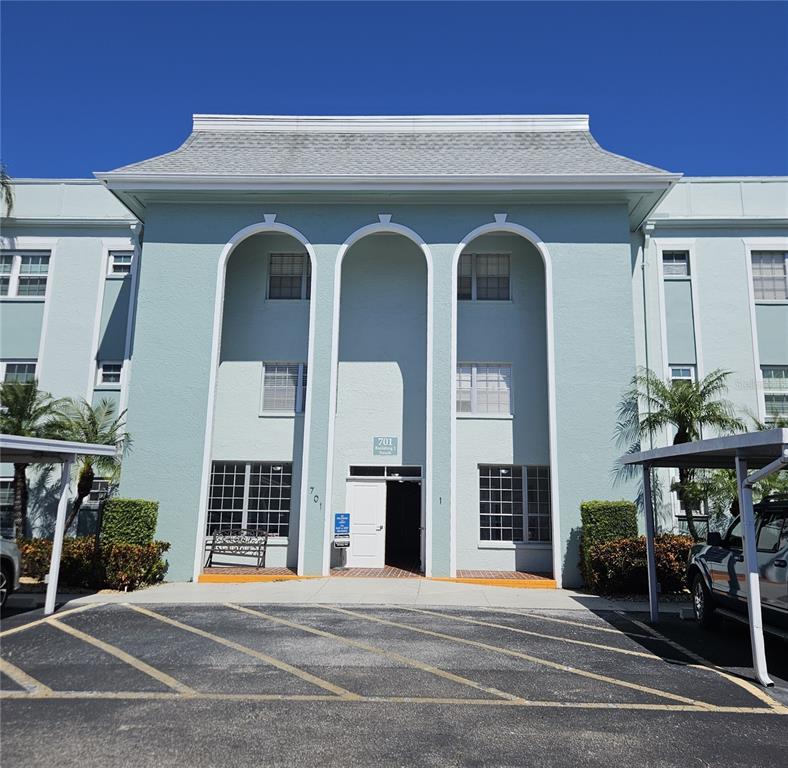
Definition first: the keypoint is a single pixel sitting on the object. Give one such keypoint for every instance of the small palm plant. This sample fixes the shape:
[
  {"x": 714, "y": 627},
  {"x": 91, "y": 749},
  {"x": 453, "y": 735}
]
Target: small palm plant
[
  {"x": 689, "y": 407},
  {"x": 27, "y": 411},
  {"x": 7, "y": 186},
  {"x": 82, "y": 422}
]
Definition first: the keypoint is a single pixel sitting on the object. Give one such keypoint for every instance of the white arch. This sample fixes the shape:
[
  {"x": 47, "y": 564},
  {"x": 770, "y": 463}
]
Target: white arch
[
  {"x": 263, "y": 227},
  {"x": 374, "y": 229},
  {"x": 535, "y": 240}
]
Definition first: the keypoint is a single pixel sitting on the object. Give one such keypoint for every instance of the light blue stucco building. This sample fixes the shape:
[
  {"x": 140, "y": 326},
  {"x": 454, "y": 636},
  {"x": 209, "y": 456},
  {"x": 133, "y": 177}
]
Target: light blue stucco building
[{"x": 427, "y": 322}]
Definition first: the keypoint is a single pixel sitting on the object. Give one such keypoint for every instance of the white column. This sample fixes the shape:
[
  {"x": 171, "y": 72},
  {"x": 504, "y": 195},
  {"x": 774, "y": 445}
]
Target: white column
[
  {"x": 751, "y": 574},
  {"x": 651, "y": 558},
  {"x": 57, "y": 542}
]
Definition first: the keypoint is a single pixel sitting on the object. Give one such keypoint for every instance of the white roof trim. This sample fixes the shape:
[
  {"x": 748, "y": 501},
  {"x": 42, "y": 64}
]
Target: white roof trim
[
  {"x": 18, "y": 448},
  {"x": 392, "y": 123}
]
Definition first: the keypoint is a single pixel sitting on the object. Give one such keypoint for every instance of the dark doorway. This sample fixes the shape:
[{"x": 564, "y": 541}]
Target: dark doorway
[{"x": 403, "y": 524}]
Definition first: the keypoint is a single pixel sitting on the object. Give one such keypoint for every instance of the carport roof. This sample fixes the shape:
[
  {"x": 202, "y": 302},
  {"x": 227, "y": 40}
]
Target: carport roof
[
  {"x": 758, "y": 448},
  {"x": 28, "y": 450}
]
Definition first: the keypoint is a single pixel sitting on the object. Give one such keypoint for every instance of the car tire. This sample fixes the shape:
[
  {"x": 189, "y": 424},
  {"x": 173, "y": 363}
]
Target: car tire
[
  {"x": 702, "y": 603},
  {"x": 6, "y": 584}
]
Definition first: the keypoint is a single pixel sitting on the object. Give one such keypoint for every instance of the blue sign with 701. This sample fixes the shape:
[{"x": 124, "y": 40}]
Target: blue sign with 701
[{"x": 341, "y": 523}]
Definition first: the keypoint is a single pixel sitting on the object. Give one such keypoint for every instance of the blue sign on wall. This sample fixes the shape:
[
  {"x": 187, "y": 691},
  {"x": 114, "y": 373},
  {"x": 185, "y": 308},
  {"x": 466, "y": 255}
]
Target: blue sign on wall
[
  {"x": 384, "y": 446},
  {"x": 341, "y": 523}
]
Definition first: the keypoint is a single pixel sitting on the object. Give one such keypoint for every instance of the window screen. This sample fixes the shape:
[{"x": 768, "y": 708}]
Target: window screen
[{"x": 769, "y": 275}]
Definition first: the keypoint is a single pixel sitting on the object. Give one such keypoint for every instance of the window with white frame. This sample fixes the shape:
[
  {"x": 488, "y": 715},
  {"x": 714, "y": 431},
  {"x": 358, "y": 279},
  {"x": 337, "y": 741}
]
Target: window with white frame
[
  {"x": 250, "y": 495},
  {"x": 109, "y": 373},
  {"x": 7, "y": 507},
  {"x": 23, "y": 274},
  {"x": 770, "y": 275},
  {"x": 284, "y": 387},
  {"x": 775, "y": 392},
  {"x": 484, "y": 388},
  {"x": 514, "y": 503},
  {"x": 98, "y": 493},
  {"x": 682, "y": 373},
  {"x": 120, "y": 263},
  {"x": 675, "y": 264},
  {"x": 483, "y": 277},
  {"x": 289, "y": 276},
  {"x": 19, "y": 371}
]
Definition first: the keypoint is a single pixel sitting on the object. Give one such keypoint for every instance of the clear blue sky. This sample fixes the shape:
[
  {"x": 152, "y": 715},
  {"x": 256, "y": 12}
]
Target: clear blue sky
[{"x": 700, "y": 88}]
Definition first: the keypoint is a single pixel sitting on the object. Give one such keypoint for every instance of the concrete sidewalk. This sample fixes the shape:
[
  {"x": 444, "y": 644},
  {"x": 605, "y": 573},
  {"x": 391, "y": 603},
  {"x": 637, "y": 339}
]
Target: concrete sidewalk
[{"x": 415, "y": 592}]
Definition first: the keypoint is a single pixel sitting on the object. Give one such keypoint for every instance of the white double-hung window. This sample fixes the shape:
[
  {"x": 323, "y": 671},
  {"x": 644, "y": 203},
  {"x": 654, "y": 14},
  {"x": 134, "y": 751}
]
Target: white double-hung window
[
  {"x": 775, "y": 392},
  {"x": 675, "y": 264},
  {"x": 284, "y": 387},
  {"x": 483, "y": 277},
  {"x": 23, "y": 274},
  {"x": 770, "y": 275},
  {"x": 18, "y": 371},
  {"x": 289, "y": 276},
  {"x": 484, "y": 388},
  {"x": 120, "y": 263}
]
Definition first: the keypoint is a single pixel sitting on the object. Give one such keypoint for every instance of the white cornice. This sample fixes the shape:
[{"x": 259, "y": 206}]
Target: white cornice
[{"x": 391, "y": 123}]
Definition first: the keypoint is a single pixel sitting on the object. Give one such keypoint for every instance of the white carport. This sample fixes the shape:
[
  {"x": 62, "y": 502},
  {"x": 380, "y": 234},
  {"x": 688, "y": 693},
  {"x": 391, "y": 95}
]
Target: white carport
[
  {"x": 766, "y": 452},
  {"x": 36, "y": 450}
]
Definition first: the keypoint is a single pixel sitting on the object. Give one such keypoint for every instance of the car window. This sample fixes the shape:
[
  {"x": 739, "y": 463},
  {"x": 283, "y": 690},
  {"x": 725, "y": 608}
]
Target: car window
[
  {"x": 733, "y": 539},
  {"x": 769, "y": 534}
]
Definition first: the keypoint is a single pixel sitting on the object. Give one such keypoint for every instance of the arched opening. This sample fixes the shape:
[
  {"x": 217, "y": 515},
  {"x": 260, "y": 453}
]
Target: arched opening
[
  {"x": 503, "y": 431},
  {"x": 379, "y": 464},
  {"x": 259, "y": 401}
]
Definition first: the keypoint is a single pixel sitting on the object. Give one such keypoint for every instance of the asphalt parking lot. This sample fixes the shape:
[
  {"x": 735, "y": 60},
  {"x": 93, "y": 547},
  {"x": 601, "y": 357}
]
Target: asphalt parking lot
[{"x": 204, "y": 685}]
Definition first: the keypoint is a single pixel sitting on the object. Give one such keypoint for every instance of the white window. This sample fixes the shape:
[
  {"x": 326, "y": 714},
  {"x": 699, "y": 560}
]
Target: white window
[
  {"x": 484, "y": 388},
  {"x": 109, "y": 374},
  {"x": 682, "y": 373},
  {"x": 284, "y": 387},
  {"x": 775, "y": 392},
  {"x": 253, "y": 496},
  {"x": 23, "y": 274},
  {"x": 770, "y": 275},
  {"x": 483, "y": 277},
  {"x": 98, "y": 492},
  {"x": 21, "y": 371},
  {"x": 289, "y": 276},
  {"x": 514, "y": 503},
  {"x": 120, "y": 263},
  {"x": 675, "y": 264},
  {"x": 7, "y": 507}
]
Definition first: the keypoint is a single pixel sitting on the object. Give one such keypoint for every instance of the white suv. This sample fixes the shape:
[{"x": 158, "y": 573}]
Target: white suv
[{"x": 10, "y": 569}]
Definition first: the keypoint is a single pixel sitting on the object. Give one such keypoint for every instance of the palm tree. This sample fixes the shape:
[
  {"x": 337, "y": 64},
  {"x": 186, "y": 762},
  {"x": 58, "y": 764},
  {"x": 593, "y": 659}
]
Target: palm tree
[
  {"x": 25, "y": 410},
  {"x": 690, "y": 407},
  {"x": 7, "y": 186},
  {"x": 82, "y": 422}
]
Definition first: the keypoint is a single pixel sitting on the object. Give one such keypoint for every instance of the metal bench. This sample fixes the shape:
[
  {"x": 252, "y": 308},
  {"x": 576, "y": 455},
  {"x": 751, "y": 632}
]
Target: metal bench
[{"x": 238, "y": 543}]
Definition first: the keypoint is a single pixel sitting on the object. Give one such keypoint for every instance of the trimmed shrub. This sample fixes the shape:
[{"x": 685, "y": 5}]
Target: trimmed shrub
[
  {"x": 604, "y": 521},
  {"x": 120, "y": 565},
  {"x": 129, "y": 520},
  {"x": 619, "y": 566}
]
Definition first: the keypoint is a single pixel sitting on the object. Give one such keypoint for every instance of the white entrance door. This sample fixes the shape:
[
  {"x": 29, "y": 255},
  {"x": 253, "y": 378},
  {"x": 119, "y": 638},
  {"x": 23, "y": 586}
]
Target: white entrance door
[{"x": 366, "y": 503}]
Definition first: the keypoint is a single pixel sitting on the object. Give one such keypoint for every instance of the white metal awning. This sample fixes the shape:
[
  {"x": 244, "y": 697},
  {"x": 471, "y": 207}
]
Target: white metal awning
[
  {"x": 36, "y": 450},
  {"x": 765, "y": 451}
]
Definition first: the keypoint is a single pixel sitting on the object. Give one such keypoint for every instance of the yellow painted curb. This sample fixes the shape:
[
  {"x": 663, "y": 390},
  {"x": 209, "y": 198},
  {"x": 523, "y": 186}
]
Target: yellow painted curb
[
  {"x": 512, "y": 583},
  {"x": 246, "y": 578}
]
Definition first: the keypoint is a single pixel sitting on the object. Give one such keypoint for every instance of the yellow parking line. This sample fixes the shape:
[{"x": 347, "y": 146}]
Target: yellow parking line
[
  {"x": 127, "y": 658},
  {"x": 625, "y": 651},
  {"x": 379, "y": 651},
  {"x": 528, "y": 657},
  {"x": 583, "y": 624},
  {"x": 19, "y": 676},
  {"x": 702, "y": 663},
  {"x": 283, "y": 665},
  {"x": 430, "y": 700},
  {"x": 48, "y": 619}
]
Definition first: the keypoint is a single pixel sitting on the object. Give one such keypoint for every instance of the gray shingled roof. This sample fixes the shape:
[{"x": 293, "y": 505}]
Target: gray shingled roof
[{"x": 374, "y": 154}]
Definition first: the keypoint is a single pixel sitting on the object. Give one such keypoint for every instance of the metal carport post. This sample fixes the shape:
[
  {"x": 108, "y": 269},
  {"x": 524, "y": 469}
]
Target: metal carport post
[
  {"x": 735, "y": 451},
  {"x": 36, "y": 450}
]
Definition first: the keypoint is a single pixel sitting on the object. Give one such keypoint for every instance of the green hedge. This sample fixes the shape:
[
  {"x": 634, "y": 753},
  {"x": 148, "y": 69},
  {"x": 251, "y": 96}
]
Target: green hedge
[
  {"x": 120, "y": 565},
  {"x": 604, "y": 521},
  {"x": 619, "y": 566},
  {"x": 129, "y": 520}
]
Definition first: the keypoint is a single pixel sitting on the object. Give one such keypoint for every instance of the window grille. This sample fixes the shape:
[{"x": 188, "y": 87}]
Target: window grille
[
  {"x": 484, "y": 388},
  {"x": 770, "y": 275}
]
